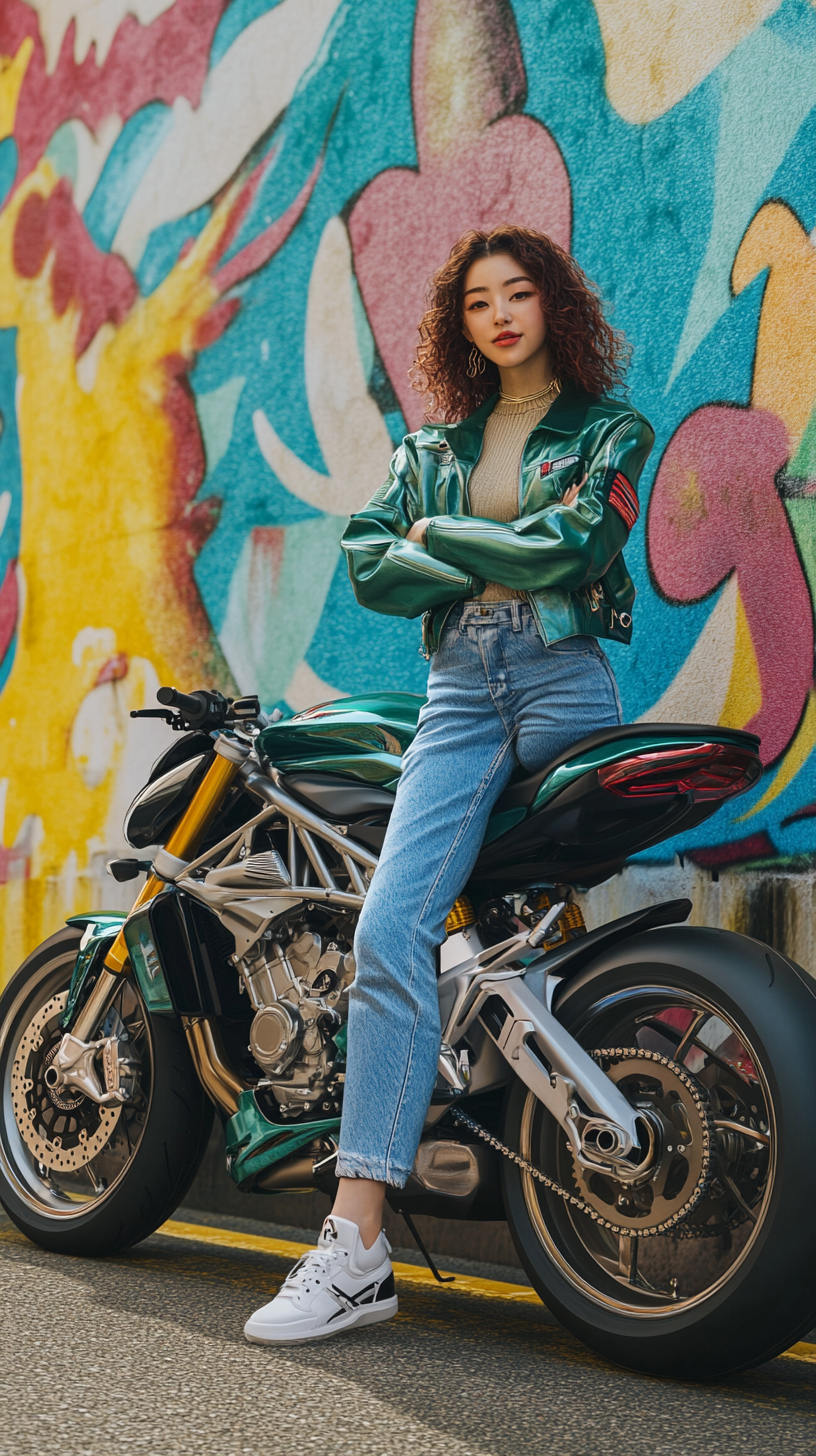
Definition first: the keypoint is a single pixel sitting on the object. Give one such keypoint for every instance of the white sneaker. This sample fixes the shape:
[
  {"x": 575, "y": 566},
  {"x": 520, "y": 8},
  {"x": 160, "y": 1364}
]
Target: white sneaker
[{"x": 340, "y": 1285}]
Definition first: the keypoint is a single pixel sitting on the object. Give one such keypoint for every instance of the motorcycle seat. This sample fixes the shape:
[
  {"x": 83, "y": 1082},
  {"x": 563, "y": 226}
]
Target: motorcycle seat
[
  {"x": 524, "y": 786},
  {"x": 348, "y": 800}
]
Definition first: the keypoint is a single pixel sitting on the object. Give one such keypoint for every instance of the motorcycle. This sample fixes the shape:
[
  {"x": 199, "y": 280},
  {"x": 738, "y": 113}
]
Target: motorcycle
[{"x": 635, "y": 1100}]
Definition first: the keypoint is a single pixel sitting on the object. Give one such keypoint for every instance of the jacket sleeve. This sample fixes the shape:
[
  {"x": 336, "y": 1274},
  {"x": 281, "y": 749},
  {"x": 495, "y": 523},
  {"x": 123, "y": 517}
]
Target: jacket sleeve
[
  {"x": 389, "y": 574},
  {"x": 563, "y": 546}
]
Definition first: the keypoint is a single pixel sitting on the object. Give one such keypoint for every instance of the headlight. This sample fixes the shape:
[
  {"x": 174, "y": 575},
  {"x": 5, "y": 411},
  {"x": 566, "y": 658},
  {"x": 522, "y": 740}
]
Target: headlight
[{"x": 160, "y": 802}]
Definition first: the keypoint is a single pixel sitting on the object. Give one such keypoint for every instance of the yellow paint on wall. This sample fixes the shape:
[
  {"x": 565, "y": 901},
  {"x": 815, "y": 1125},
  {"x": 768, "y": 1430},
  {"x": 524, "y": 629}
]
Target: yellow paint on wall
[
  {"x": 785, "y": 362},
  {"x": 103, "y": 560},
  {"x": 12, "y": 73},
  {"x": 799, "y": 751},
  {"x": 743, "y": 699},
  {"x": 659, "y": 50}
]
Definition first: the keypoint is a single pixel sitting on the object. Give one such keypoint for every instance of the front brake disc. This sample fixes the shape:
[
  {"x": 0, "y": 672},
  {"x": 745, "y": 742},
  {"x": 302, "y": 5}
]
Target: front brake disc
[{"x": 60, "y": 1132}]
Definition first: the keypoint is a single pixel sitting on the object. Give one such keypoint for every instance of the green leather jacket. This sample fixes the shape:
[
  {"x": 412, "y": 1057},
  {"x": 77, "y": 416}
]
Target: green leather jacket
[{"x": 566, "y": 559}]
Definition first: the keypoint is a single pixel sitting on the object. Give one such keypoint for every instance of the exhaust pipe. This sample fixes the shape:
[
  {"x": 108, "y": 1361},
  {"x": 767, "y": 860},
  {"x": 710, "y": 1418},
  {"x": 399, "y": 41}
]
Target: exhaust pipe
[
  {"x": 291, "y": 1175},
  {"x": 209, "y": 1059}
]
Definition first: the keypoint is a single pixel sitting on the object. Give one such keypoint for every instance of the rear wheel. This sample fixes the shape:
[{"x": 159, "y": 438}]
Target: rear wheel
[
  {"x": 77, "y": 1177},
  {"x": 730, "y": 1087}
]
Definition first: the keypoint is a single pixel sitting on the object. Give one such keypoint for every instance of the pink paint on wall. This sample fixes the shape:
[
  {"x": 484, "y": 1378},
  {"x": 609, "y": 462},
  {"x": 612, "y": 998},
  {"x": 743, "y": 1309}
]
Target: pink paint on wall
[
  {"x": 156, "y": 62},
  {"x": 9, "y": 607},
  {"x": 253, "y": 256},
  {"x": 715, "y": 510},
  {"x": 479, "y": 165},
  {"x": 100, "y": 285},
  {"x": 266, "y": 563},
  {"x": 405, "y": 224},
  {"x": 113, "y": 670}
]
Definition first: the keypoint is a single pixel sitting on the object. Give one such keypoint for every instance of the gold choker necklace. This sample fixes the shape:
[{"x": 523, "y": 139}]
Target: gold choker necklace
[{"x": 554, "y": 384}]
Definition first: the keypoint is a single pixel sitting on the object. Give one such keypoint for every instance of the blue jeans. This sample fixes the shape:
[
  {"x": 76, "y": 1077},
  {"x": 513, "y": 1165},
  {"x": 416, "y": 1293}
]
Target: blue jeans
[{"x": 497, "y": 697}]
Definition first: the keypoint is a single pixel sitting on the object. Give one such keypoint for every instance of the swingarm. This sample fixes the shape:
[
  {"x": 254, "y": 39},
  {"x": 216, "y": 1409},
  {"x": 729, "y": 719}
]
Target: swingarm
[{"x": 604, "y": 1130}]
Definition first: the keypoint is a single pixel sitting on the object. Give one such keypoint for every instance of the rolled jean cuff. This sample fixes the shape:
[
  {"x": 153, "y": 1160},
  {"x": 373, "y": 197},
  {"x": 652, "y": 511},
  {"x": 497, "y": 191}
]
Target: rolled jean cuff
[{"x": 350, "y": 1166}]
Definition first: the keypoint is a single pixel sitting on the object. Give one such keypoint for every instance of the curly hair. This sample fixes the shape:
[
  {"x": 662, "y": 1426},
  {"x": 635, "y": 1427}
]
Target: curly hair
[{"x": 583, "y": 347}]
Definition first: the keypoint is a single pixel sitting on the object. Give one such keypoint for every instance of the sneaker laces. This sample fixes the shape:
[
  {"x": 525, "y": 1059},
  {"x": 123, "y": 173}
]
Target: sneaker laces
[{"x": 317, "y": 1262}]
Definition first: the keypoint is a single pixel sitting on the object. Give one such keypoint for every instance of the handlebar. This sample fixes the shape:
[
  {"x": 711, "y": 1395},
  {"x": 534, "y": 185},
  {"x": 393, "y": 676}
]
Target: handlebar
[
  {"x": 202, "y": 710},
  {"x": 188, "y": 704}
]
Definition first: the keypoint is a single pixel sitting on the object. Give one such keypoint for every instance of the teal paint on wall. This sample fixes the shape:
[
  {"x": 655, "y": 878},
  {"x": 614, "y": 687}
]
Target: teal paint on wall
[{"x": 694, "y": 217}]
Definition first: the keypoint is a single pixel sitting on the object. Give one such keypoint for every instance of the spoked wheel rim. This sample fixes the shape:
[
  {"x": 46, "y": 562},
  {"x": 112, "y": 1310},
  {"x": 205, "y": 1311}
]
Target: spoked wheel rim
[
  {"x": 654, "y": 1277},
  {"x": 61, "y": 1152}
]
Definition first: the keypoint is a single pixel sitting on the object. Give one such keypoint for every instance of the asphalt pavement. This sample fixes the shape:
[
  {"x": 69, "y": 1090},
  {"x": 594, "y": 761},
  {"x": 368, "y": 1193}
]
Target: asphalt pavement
[{"x": 144, "y": 1353}]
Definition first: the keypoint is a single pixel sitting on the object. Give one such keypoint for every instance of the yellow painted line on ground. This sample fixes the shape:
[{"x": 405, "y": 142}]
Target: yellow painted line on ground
[
  {"x": 201, "y": 1233},
  {"x": 406, "y": 1273},
  {"x": 802, "y": 1351},
  {"x": 284, "y": 1249}
]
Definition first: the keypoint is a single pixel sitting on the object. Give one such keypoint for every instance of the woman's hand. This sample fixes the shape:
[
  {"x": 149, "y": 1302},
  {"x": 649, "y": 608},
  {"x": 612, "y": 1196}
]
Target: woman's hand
[
  {"x": 571, "y": 495},
  {"x": 417, "y": 531}
]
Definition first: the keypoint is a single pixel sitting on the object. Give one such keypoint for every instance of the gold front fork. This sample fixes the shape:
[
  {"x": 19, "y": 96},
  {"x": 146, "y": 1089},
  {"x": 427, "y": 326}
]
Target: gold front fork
[{"x": 183, "y": 843}]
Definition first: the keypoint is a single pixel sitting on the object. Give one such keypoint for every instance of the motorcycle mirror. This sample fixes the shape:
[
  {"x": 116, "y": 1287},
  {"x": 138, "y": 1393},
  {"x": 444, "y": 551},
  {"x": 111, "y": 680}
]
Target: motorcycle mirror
[
  {"x": 242, "y": 709},
  {"x": 128, "y": 869}
]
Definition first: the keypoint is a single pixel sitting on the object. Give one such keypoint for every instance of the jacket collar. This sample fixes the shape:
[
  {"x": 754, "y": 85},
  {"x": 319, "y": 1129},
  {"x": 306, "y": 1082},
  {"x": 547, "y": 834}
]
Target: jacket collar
[
  {"x": 566, "y": 413},
  {"x": 564, "y": 417},
  {"x": 465, "y": 439}
]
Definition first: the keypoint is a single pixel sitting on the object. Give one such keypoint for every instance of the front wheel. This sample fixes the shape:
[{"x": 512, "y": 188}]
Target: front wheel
[
  {"x": 715, "y": 1040},
  {"x": 77, "y": 1177}
]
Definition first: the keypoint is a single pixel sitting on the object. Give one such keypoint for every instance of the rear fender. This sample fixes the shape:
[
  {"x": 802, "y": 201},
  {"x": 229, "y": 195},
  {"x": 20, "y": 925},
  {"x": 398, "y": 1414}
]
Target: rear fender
[
  {"x": 694, "y": 949},
  {"x": 567, "y": 960}
]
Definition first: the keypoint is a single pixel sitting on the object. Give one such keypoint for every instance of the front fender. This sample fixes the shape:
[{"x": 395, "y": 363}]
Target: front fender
[{"x": 101, "y": 927}]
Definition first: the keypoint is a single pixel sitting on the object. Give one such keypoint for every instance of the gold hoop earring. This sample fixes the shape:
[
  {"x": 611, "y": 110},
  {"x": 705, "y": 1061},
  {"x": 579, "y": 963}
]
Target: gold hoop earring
[{"x": 476, "y": 363}]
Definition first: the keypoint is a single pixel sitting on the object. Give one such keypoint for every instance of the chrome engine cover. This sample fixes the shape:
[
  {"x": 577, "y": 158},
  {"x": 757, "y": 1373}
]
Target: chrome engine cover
[{"x": 275, "y": 1036}]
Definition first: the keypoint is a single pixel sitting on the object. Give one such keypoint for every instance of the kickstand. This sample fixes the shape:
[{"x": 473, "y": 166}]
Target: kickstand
[{"x": 414, "y": 1231}]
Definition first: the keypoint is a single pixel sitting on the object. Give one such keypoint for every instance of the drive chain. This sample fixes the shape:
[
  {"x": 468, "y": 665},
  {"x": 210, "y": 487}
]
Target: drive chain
[{"x": 613, "y": 1055}]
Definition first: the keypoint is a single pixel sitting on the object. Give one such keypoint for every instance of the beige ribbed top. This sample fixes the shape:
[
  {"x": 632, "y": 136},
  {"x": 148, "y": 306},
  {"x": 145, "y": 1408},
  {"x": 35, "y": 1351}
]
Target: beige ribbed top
[{"x": 494, "y": 482}]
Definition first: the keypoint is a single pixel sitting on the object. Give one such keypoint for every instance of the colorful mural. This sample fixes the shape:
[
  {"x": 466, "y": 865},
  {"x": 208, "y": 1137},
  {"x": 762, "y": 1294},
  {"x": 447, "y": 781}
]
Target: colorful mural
[{"x": 217, "y": 223}]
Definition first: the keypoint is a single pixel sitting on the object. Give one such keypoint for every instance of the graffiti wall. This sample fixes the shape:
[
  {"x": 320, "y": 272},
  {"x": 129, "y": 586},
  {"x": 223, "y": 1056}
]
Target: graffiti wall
[{"x": 218, "y": 221}]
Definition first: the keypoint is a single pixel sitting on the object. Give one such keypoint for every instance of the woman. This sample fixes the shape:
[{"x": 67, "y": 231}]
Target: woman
[{"x": 505, "y": 527}]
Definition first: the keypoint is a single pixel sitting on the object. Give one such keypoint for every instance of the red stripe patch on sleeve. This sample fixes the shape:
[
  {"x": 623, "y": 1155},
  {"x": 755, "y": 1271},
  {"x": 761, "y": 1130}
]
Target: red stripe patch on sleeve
[{"x": 623, "y": 499}]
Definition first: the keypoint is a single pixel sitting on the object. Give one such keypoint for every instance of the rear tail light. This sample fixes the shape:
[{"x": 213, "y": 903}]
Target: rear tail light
[{"x": 705, "y": 771}]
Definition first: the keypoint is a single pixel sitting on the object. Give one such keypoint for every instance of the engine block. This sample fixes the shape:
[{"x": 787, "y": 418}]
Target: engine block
[{"x": 298, "y": 986}]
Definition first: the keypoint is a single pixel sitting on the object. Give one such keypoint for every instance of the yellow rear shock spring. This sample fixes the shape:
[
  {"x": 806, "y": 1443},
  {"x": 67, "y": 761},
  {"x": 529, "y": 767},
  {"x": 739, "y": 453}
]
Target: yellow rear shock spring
[{"x": 461, "y": 916}]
